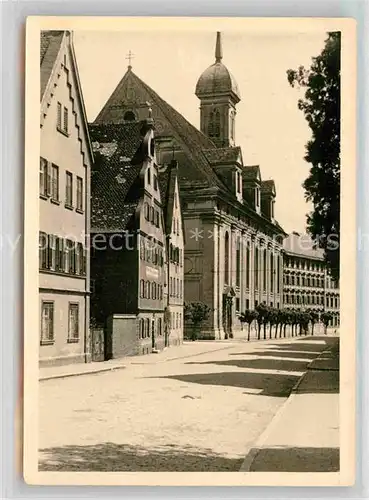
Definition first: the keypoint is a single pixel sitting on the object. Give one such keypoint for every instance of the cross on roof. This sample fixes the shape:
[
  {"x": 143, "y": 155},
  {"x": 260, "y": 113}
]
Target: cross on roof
[{"x": 130, "y": 56}]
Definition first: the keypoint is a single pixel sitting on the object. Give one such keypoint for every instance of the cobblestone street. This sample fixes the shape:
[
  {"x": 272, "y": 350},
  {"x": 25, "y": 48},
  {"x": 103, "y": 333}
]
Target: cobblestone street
[{"x": 202, "y": 412}]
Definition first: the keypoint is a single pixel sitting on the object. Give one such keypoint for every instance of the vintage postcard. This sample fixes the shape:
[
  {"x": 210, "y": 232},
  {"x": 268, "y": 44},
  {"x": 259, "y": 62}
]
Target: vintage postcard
[{"x": 190, "y": 246}]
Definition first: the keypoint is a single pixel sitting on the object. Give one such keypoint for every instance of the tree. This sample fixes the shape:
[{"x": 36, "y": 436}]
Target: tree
[
  {"x": 321, "y": 107},
  {"x": 196, "y": 313},
  {"x": 314, "y": 318},
  {"x": 262, "y": 311},
  {"x": 248, "y": 317},
  {"x": 326, "y": 317}
]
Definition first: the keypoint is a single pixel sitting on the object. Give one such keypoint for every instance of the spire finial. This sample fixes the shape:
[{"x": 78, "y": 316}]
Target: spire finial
[
  {"x": 218, "y": 48},
  {"x": 130, "y": 56}
]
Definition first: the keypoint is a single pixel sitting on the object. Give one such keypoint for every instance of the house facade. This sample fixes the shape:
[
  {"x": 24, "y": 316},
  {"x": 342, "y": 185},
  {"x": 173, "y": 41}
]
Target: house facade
[
  {"x": 64, "y": 201},
  {"x": 307, "y": 283},
  {"x": 174, "y": 229},
  {"x": 128, "y": 244},
  {"x": 233, "y": 242}
]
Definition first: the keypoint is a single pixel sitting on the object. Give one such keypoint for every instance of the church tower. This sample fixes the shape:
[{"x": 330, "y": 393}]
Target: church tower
[{"x": 218, "y": 93}]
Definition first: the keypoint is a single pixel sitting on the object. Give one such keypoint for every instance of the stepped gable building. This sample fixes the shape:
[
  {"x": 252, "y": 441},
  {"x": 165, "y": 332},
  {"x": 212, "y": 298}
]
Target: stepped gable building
[
  {"x": 307, "y": 283},
  {"x": 174, "y": 231},
  {"x": 65, "y": 162},
  {"x": 128, "y": 239},
  {"x": 232, "y": 241}
]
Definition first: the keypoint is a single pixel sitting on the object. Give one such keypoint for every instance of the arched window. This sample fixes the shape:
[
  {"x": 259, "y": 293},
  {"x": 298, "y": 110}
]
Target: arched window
[
  {"x": 271, "y": 272},
  {"x": 248, "y": 266},
  {"x": 226, "y": 258},
  {"x": 129, "y": 116},
  {"x": 264, "y": 269},
  {"x": 256, "y": 268},
  {"x": 232, "y": 125},
  {"x": 217, "y": 124},
  {"x": 238, "y": 262}
]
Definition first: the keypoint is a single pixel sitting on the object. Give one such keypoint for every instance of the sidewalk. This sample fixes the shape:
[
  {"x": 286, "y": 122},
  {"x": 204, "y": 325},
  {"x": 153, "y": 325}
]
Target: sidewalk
[
  {"x": 186, "y": 350},
  {"x": 304, "y": 434}
]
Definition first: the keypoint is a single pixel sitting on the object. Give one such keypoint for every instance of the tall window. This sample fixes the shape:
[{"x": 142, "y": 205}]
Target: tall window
[
  {"x": 272, "y": 273},
  {"x": 248, "y": 267},
  {"x": 55, "y": 182},
  {"x": 278, "y": 274},
  {"x": 214, "y": 124},
  {"x": 73, "y": 323},
  {"x": 47, "y": 322},
  {"x": 80, "y": 194},
  {"x": 238, "y": 262},
  {"x": 226, "y": 258},
  {"x": 264, "y": 269},
  {"x": 256, "y": 268},
  {"x": 43, "y": 177},
  {"x": 149, "y": 176},
  {"x": 232, "y": 125},
  {"x": 69, "y": 189}
]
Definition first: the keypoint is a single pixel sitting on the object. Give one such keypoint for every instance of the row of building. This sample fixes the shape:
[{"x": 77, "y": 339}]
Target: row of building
[{"x": 140, "y": 211}]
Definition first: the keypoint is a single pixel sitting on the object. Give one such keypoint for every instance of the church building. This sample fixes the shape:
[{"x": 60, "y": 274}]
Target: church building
[{"x": 233, "y": 243}]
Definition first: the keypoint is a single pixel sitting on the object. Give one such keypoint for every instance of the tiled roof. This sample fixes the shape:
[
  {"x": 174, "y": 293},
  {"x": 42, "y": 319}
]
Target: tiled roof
[
  {"x": 250, "y": 172},
  {"x": 268, "y": 186},
  {"x": 302, "y": 245},
  {"x": 49, "y": 48},
  {"x": 225, "y": 155},
  {"x": 115, "y": 180}
]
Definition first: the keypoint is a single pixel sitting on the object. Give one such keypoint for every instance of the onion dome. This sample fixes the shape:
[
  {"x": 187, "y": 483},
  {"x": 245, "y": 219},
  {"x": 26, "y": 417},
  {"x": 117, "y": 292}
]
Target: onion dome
[{"x": 217, "y": 79}]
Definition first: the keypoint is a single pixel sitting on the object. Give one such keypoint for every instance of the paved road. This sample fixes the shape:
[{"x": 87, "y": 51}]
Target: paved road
[{"x": 200, "y": 413}]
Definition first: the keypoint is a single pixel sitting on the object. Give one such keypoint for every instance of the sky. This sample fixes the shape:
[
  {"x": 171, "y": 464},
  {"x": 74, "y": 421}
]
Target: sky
[{"x": 270, "y": 128}]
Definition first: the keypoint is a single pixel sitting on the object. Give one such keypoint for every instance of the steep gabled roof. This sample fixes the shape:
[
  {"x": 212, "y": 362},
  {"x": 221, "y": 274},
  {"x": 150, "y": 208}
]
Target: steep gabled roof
[
  {"x": 49, "y": 49},
  {"x": 115, "y": 182},
  {"x": 191, "y": 140}
]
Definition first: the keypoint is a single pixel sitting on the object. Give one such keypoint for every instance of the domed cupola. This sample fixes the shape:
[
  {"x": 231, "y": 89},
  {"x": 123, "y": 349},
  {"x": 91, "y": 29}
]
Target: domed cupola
[{"x": 218, "y": 92}]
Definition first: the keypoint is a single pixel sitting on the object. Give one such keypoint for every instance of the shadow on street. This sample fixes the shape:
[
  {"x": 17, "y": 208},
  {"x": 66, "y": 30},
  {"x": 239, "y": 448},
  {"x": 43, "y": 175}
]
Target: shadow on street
[
  {"x": 296, "y": 460},
  {"x": 261, "y": 364},
  {"x": 270, "y": 384},
  {"x": 111, "y": 457}
]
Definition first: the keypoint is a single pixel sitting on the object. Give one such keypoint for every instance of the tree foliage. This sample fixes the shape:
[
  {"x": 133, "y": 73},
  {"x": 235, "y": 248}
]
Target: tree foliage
[{"x": 321, "y": 108}]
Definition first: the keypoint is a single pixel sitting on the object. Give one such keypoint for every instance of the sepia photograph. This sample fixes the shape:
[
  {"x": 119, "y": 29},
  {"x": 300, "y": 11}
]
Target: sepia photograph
[{"x": 190, "y": 308}]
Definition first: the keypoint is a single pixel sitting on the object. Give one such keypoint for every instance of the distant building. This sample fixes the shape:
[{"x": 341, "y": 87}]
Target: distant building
[
  {"x": 233, "y": 243},
  {"x": 136, "y": 220},
  {"x": 65, "y": 162},
  {"x": 306, "y": 280}
]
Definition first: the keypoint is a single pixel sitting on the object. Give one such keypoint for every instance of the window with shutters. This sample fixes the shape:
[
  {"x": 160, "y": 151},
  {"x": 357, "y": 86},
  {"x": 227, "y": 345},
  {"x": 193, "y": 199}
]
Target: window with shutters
[
  {"x": 43, "y": 177},
  {"x": 69, "y": 190},
  {"x": 73, "y": 323},
  {"x": 59, "y": 117},
  {"x": 47, "y": 323},
  {"x": 43, "y": 250},
  {"x": 54, "y": 182},
  {"x": 52, "y": 252},
  {"x": 79, "y": 207},
  {"x": 65, "y": 121}
]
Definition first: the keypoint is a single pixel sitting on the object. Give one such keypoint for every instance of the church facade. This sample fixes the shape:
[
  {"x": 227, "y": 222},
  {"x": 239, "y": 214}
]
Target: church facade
[{"x": 233, "y": 244}]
